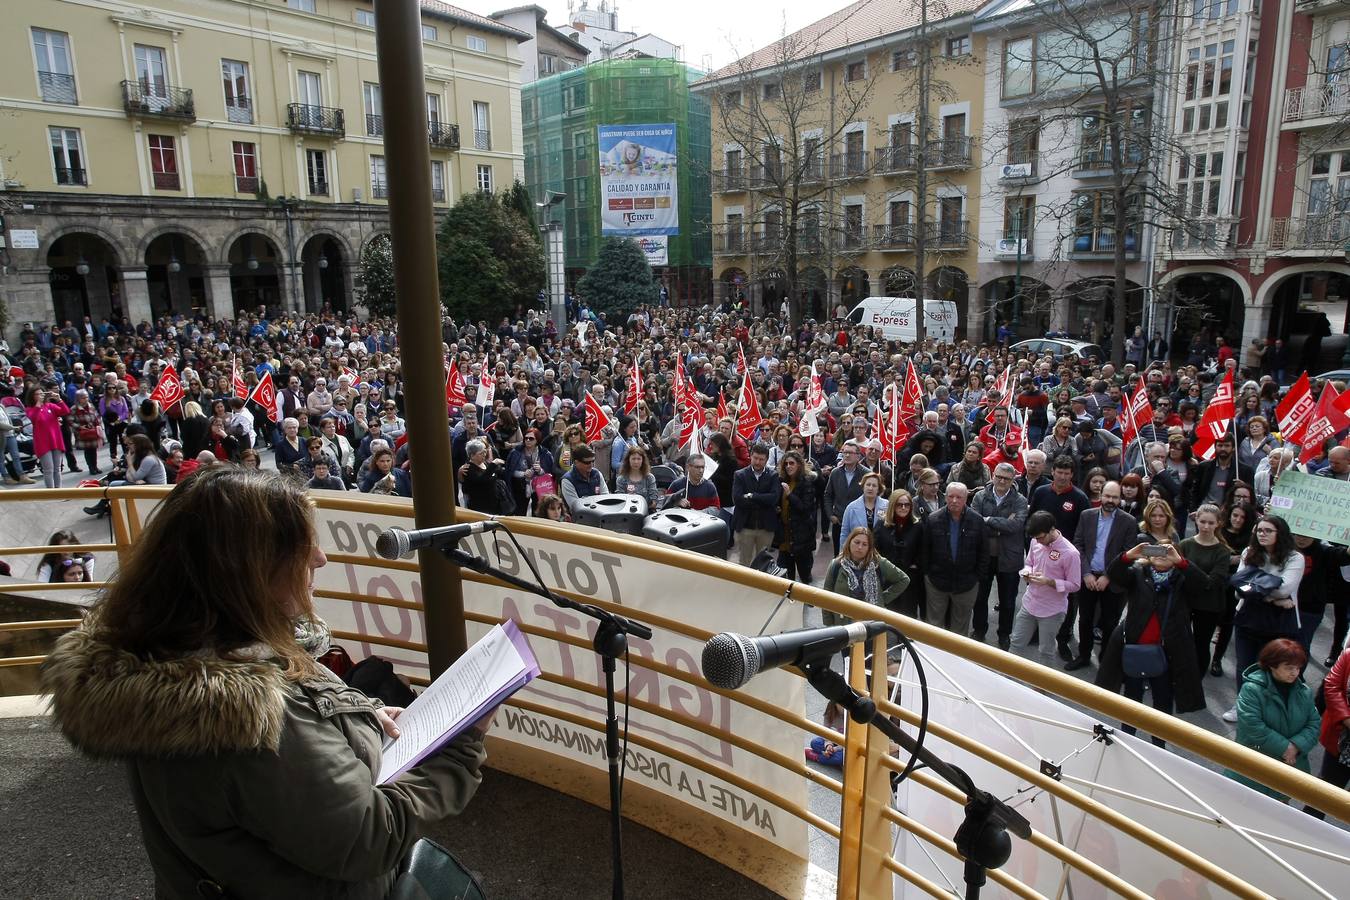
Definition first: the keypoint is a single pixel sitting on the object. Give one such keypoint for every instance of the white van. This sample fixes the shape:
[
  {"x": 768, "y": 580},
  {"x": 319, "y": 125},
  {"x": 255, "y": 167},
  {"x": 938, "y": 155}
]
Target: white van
[{"x": 893, "y": 317}]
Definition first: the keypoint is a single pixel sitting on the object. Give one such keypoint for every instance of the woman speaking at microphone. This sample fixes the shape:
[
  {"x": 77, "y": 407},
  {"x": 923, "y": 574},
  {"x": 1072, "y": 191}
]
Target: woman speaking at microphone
[{"x": 252, "y": 767}]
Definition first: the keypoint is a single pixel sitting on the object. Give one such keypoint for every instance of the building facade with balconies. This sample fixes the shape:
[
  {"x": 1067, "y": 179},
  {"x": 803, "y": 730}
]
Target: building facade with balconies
[
  {"x": 1047, "y": 238},
  {"x": 214, "y": 156},
  {"x": 817, "y": 150},
  {"x": 1262, "y": 107}
]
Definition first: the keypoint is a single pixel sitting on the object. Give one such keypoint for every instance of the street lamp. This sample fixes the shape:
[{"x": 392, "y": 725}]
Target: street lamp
[
  {"x": 552, "y": 233},
  {"x": 82, "y": 266}
]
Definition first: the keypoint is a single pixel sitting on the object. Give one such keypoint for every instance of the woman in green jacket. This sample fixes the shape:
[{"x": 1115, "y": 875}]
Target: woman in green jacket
[
  {"x": 252, "y": 767},
  {"x": 863, "y": 574},
  {"x": 1276, "y": 714}
]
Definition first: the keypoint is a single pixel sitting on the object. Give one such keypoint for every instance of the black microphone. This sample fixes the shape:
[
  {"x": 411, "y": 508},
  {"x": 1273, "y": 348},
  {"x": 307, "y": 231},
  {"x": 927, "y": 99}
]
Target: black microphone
[
  {"x": 730, "y": 660},
  {"x": 396, "y": 542}
]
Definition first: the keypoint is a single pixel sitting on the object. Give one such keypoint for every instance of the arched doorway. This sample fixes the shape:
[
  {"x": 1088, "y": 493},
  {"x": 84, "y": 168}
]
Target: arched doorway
[
  {"x": 854, "y": 285},
  {"x": 175, "y": 276},
  {"x": 324, "y": 272},
  {"x": 1205, "y": 303},
  {"x": 814, "y": 289},
  {"x": 85, "y": 279},
  {"x": 1092, "y": 305},
  {"x": 255, "y": 273},
  {"x": 772, "y": 284},
  {"x": 1309, "y": 312},
  {"x": 951, "y": 283},
  {"x": 898, "y": 281},
  {"x": 1024, "y": 303},
  {"x": 731, "y": 285}
]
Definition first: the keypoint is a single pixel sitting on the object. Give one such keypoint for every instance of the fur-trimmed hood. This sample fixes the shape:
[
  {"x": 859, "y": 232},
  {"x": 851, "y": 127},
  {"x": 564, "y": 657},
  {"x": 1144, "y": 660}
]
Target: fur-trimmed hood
[{"x": 111, "y": 703}]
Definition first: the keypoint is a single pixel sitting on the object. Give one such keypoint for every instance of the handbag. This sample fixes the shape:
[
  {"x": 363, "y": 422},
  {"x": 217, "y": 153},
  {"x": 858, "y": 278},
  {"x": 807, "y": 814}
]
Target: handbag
[
  {"x": 88, "y": 434},
  {"x": 432, "y": 872},
  {"x": 506, "y": 502},
  {"x": 1147, "y": 660}
]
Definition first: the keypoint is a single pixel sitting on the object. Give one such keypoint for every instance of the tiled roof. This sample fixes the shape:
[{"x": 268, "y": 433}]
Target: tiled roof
[
  {"x": 455, "y": 14},
  {"x": 860, "y": 21}
]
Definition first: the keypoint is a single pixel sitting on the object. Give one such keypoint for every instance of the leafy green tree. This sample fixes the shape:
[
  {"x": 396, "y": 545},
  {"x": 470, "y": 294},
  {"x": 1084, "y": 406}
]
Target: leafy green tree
[
  {"x": 621, "y": 279},
  {"x": 377, "y": 276},
  {"x": 490, "y": 258},
  {"x": 518, "y": 199}
]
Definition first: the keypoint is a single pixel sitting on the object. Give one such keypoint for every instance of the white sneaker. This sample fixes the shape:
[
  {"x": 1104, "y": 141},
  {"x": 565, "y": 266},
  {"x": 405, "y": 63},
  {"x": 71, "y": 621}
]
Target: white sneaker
[{"x": 1231, "y": 715}]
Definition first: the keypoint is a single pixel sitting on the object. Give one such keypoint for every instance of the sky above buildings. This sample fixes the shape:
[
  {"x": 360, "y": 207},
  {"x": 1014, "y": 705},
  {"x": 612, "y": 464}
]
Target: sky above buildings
[{"x": 712, "y": 32}]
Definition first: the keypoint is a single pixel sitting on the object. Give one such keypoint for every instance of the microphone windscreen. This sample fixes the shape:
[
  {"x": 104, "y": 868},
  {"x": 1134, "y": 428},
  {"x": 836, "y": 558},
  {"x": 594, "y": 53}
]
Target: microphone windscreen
[
  {"x": 730, "y": 660},
  {"x": 392, "y": 544}
]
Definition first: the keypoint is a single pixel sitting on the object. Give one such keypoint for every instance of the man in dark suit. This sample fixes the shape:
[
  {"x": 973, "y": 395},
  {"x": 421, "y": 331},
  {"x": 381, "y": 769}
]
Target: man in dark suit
[
  {"x": 953, "y": 549},
  {"x": 756, "y": 489},
  {"x": 843, "y": 487},
  {"x": 1103, "y": 534}
]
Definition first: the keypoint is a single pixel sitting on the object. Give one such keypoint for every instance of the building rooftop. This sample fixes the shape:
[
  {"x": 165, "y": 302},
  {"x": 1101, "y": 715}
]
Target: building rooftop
[
  {"x": 540, "y": 18},
  {"x": 862, "y": 20},
  {"x": 463, "y": 16}
]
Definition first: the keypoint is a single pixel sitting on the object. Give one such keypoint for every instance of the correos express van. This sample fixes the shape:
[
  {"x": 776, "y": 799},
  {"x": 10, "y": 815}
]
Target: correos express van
[{"x": 893, "y": 317}]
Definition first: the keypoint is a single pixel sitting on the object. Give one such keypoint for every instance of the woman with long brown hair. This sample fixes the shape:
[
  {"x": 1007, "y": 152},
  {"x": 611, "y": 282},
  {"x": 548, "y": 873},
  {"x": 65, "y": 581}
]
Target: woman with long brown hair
[{"x": 251, "y": 766}]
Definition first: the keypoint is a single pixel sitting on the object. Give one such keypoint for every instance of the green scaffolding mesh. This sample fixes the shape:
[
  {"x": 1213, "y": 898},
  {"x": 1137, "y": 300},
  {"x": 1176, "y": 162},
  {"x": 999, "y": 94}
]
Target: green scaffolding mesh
[{"x": 560, "y": 115}]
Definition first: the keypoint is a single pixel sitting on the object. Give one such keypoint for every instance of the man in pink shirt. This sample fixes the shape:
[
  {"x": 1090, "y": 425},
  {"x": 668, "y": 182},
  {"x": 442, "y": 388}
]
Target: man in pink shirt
[{"x": 1052, "y": 572}]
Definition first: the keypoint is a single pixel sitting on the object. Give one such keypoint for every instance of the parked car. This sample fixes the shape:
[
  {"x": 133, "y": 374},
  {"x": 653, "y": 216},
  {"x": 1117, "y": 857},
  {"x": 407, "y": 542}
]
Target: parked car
[
  {"x": 1059, "y": 348},
  {"x": 1341, "y": 375}
]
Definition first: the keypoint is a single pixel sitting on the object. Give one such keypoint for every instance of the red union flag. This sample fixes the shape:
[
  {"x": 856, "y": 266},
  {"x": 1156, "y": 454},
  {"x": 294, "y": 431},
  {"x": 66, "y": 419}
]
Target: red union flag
[
  {"x": 1138, "y": 413},
  {"x": 596, "y": 419},
  {"x": 815, "y": 393},
  {"x": 721, "y": 406},
  {"x": 1294, "y": 413},
  {"x": 265, "y": 395},
  {"x": 1324, "y": 423},
  {"x": 240, "y": 388},
  {"x": 912, "y": 399},
  {"x": 634, "y": 393},
  {"x": 454, "y": 386},
  {"x": 170, "y": 388},
  {"x": 487, "y": 386},
  {"x": 748, "y": 415},
  {"x": 1217, "y": 419}
]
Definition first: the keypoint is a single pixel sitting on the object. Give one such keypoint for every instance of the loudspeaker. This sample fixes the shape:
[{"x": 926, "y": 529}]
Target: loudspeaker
[
  {"x": 689, "y": 529},
  {"x": 622, "y": 513}
]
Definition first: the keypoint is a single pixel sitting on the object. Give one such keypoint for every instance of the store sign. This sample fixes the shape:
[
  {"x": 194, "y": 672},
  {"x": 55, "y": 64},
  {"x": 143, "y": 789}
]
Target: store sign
[{"x": 23, "y": 238}]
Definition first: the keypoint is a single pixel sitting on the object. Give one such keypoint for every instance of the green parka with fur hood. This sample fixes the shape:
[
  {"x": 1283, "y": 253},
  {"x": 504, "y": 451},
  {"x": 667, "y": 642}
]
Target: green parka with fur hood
[{"x": 262, "y": 785}]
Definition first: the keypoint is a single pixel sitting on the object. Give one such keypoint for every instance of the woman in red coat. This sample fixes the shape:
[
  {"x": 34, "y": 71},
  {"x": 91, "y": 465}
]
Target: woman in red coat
[
  {"x": 44, "y": 409},
  {"x": 1335, "y": 733}
]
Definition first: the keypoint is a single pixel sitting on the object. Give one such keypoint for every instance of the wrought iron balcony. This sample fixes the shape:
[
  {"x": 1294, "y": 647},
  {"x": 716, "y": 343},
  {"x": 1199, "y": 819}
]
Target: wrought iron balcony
[
  {"x": 482, "y": 139},
  {"x": 239, "y": 111},
  {"x": 852, "y": 240},
  {"x": 443, "y": 136},
  {"x": 898, "y": 158},
  {"x": 308, "y": 119},
  {"x": 1304, "y": 104},
  {"x": 246, "y": 184},
  {"x": 765, "y": 176},
  {"x": 893, "y": 237},
  {"x": 71, "y": 176},
  {"x": 438, "y": 195},
  {"x": 165, "y": 181},
  {"x": 374, "y": 125},
  {"x": 729, "y": 241},
  {"x": 813, "y": 170},
  {"x": 1210, "y": 236},
  {"x": 318, "y": 188},
  {"x": 849, "y": 165},
  {"x": 380, "y": 190},
  {"x": 150, "y": 98},
  {"x": 728, "y": 180},
  {"x": 949, "y": 153},
  {"x": 950, "y": 235},
  {"x": 1097, "y": 161},
  {"x": 57, "y": 87},
  {"x": 1324, "y": 234}
]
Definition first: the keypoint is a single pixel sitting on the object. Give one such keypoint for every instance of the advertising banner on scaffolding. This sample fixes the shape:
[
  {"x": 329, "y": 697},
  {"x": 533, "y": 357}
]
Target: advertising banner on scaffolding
[{"x": 638, "y": 180}]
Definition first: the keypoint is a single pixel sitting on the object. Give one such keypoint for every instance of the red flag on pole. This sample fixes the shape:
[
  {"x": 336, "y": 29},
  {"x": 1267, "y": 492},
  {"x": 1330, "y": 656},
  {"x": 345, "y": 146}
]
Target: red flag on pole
[
  {"x": 911, "y": 401},
  {"x": 815, "y": 392},
  {"x": 634, "y": 393},
  {"x": 265, "y": 395},
  {"x": 1217, "y": 419},
  {"x": 454, "y": 386},
  {"x": 1294, "y": 413},
  {"x": 1138, "y": 413},
  {"x": 740, "y": 358},
  {"x": 170, "y": 388},
  {"x": 1324, "y": 422},
  {"x": 721, "y": 406},
  {"x": 236, "y": 381},
  {"x": 748, "y": 415},
  {"x": 597, "y": 420}
]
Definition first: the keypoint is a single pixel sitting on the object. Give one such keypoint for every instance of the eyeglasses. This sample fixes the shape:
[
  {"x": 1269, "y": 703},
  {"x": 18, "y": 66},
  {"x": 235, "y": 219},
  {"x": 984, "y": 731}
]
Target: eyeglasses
[
  {"x": 899, "y": 503},
  {"x": 529, "y": 440},
  {"x": 929, "y": 483},
  {"x": 1266, "y": 530}
]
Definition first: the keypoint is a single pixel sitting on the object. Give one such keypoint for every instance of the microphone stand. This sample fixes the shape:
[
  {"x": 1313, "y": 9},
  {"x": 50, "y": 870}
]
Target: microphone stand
[
  {"x": 611, "y": 642},
  {"x": 983, "y": 837}
]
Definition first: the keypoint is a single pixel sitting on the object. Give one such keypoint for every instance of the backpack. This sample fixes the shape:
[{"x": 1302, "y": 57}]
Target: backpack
[{"x": 506, "y": 501}]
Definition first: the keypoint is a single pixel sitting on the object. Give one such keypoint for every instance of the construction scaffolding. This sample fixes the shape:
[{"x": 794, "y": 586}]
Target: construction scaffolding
[{"x": 560, "y": 115}]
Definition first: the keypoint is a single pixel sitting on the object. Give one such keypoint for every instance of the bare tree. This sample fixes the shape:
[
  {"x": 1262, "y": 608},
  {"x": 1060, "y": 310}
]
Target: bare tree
[
  {"x": 785, "y": 110},
  {"x": 1096, "y": 72}
]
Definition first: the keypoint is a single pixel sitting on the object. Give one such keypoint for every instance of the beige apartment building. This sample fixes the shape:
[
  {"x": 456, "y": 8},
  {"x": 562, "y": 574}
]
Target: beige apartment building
[
  {"x": 824, "y": 122},
  {"x": 215, "y": 156}
]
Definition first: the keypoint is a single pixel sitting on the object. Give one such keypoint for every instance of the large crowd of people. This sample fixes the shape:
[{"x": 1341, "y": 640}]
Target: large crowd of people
[{"x": 1127, "y": 556}]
